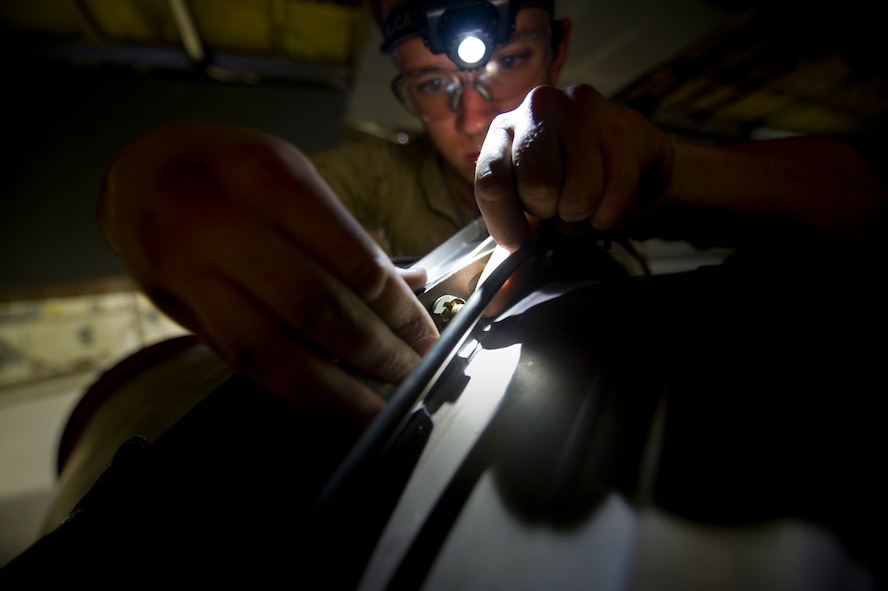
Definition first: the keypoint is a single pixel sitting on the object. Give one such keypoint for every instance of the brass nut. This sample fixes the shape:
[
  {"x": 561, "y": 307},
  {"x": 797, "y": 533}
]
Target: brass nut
[{"x": 446, "y": 307}]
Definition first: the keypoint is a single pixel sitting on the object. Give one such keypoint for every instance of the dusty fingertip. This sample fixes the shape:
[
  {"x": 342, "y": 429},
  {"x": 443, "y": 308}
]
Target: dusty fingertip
[{"x": 415, "y": 277}]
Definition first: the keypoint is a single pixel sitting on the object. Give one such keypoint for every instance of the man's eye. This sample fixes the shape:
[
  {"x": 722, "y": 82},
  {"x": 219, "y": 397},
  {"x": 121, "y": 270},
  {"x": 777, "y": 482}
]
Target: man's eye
[
  {"x": 513, "y": 60},
  {"x": 430, "y": 85}
]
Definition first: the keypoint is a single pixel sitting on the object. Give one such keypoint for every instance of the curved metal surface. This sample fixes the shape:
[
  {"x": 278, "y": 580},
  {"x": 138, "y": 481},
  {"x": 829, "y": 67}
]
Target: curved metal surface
[
  {"x": 705, "y": 430},
  {"x": 562, "y": 450}
]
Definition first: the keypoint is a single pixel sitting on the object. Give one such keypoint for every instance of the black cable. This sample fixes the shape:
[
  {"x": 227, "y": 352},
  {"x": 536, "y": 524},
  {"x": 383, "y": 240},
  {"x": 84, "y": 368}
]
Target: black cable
[{"x": 383, "y": 431}]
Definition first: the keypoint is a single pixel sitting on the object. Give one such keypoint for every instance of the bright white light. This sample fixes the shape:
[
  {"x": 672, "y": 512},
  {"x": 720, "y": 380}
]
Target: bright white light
[{"x": 471, "y": 50}]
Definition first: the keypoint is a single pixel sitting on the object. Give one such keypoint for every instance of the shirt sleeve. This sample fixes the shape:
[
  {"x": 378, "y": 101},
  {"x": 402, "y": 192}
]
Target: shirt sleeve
[
  {"x": 356, "y": 171},
  {"x": 395, "y": 191}
]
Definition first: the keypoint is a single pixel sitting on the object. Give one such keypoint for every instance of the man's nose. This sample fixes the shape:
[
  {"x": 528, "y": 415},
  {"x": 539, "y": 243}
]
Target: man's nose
[{"x": 474, "y": 112}]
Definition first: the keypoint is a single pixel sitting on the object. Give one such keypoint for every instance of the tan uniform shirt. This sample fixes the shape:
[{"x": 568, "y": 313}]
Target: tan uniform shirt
[
  {"x": 400, "y": 195},
  {"x": 397, "y": 192}
]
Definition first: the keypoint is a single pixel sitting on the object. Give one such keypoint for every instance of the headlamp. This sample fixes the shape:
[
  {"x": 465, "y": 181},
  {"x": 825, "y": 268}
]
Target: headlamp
[{"x": 467, "y": 31}]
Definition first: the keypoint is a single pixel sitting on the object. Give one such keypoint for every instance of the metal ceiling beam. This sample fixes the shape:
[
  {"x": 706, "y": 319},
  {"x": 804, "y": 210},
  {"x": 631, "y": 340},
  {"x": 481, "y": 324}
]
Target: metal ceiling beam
[
  {"x": 226, "y": 67},
  {"x": 188, "y": 32}
]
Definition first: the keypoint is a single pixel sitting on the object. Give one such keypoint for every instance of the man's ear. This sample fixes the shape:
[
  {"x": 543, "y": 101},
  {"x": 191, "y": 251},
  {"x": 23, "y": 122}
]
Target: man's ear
[{"x": 560, "y": 57}]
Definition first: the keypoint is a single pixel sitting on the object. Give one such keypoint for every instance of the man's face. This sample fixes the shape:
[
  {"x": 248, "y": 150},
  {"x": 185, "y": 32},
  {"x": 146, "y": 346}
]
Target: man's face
[{"x": 459, "y": 135}]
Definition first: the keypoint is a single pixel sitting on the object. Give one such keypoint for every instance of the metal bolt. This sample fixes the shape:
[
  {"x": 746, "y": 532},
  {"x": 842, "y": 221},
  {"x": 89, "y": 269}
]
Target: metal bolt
[{"x": 446, "y": 307}]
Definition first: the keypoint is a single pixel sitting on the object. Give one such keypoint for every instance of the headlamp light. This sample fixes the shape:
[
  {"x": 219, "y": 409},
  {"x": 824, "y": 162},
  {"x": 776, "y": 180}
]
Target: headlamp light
[{"x": 467, "y": 31}]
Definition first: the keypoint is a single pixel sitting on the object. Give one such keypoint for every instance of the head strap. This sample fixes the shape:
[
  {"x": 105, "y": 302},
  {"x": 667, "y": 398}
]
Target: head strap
[{"x": 410, "y": 19}]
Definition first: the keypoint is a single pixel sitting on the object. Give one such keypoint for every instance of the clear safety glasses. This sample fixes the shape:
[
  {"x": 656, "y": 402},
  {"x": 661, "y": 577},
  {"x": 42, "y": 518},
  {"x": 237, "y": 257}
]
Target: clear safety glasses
[{"x": 515, "y": 68}]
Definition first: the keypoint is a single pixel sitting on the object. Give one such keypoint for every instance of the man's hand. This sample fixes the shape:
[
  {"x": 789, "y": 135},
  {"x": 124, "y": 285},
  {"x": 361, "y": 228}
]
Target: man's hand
[
  {"x": 568, "y": 156},
  {"x": 574, "y": 159},
  {"x": 234, "y": 235}
]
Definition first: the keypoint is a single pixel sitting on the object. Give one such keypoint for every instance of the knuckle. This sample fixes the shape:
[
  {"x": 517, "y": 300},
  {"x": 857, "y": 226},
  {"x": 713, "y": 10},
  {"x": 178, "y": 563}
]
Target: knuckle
[
  {"x": 582, "y": 91},
  {"x": 415, "y": 327},
  {"x": 320, "y": 318},
  {"x": 370, "y": 279},
  {"x": 493, "y": 181},
  {"x": 490, "y": 187},
  {"x": 526, "y": 143},
  {"x": 500, "y": 122},
  {"x": 543, "y": 97}
]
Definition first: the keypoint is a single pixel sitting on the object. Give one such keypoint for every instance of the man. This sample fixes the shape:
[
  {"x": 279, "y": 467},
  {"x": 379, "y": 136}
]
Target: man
[
  {"x": 240, "y": 238},
  {"x": 455, "y": 115}
]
